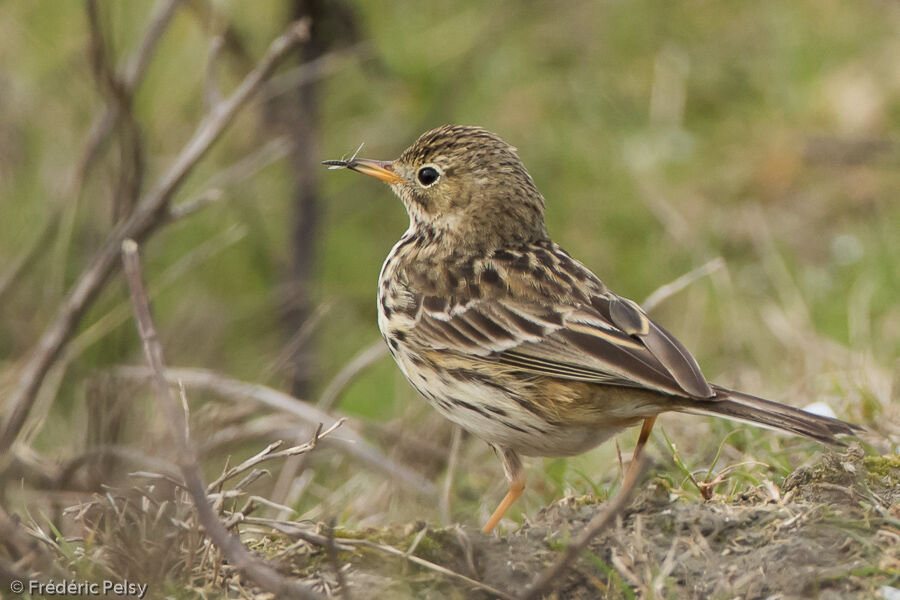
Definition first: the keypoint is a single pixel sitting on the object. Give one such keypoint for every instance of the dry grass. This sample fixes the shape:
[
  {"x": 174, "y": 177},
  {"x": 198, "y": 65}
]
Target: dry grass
[
  {"x": 724, "y": 514},
  {"x": 656, "y": 158}
]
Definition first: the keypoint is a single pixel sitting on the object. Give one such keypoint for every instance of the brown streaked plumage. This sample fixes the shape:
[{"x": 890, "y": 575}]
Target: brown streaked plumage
[{"x": 509, "y": 336}]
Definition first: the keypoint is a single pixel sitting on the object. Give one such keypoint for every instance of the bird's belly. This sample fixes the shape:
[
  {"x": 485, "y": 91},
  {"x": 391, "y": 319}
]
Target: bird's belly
[{"x": 484, "y": 408}]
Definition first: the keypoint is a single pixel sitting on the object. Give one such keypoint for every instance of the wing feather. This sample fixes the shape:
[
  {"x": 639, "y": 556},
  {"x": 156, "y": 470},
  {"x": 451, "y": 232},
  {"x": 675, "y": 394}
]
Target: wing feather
[{"x": 609, "y": 340}]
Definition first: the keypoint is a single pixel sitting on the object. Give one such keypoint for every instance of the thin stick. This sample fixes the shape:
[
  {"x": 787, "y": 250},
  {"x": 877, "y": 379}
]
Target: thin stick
[
  {"x": 336, "y": 564},
  {"x": 269, "y": 454},
  {"x": 203, "y": 252},
  {"x": 149, "y": 214},
  {"x": 100, "y": 129},
  {"x": 673, "y": 287},
  {"x": 452, "y": 459},
  {"x": 140, "y": 60},
  {"x": 428, "y": 565},
  {"x": 230, "y": 545},
  {"x": 362, "y": 361},
  {"x": 240, "y": 391},
  {"x": 111, "y": 85},
  {"x": 597, "y": 524},
  {"x": 214, "y": 189}
]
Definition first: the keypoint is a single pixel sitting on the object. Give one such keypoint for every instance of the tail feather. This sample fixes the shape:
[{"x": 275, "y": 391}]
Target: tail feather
[{"x": 738, "y": 406}]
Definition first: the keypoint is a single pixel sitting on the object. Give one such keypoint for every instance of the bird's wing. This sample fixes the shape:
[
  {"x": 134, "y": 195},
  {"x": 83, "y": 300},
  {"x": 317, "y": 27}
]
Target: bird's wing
[{"x": 600, "y": 338}]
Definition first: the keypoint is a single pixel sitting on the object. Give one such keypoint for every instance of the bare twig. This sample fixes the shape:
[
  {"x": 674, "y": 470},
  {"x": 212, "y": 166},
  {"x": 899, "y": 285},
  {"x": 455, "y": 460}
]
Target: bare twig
[
  {"x": 362, "y": 361},
  {"x": 428, "y": 565},
  {"x": 147, "y": 216},
  {"x": 212, "y": 94},
  {"x": 240, "y": 391},
  {"x": 132, "y": 74},
  {"x": 315, "y": 69},
  {"x": 367, "y": 357},
  {"x": 296, "y": 530},
  {"x": 297, "y": 341},
  {"x": 597, "y": 524},
  {"x": 331, "y": 548},
  {"x": 452, "y": 459},
  {"x": 673, "y": 287},
  {"x": 214, "y": 187},
  {"x": 269, "y": 454},
  {"x": 100, "y": 129},
  {"x": 120, "y": 90},
  {"x": 131, "y": 170},
  {"x": 229, "y": 544},
  {"x": 203, "y": 252}
]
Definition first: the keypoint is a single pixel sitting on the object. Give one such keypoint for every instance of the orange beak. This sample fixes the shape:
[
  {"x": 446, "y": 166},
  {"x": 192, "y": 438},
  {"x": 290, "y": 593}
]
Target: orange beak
[{"x": 380, "y": 169}]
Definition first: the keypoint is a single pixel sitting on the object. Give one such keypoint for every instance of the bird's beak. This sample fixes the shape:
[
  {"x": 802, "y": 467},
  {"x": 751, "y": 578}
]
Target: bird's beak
[{"x": 380, "y": 169}]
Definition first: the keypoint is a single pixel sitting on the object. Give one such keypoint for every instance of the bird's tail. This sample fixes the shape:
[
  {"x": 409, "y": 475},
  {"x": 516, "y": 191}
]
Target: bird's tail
[{"x": 738, "y": 406}]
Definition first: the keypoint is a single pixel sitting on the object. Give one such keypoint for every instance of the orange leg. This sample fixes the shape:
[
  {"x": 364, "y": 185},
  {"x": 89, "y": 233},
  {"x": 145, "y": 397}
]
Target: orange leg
[
  {"x": 512, "y": 466},
  {"x": 515, "y": 490},
  {"x": 646, "y": 428}
]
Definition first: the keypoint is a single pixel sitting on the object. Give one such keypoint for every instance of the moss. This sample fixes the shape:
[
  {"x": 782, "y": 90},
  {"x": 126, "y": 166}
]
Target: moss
[
  {"x": 434, "y": 543},
  {"x": 883, "y": 466},
  {"x": 587, "y": 500},
  {"x": 556, "y": 545}
]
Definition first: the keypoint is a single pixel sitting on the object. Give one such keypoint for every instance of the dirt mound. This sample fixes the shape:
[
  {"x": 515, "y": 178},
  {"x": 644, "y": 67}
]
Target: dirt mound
[{"x": 832, "y": 531}]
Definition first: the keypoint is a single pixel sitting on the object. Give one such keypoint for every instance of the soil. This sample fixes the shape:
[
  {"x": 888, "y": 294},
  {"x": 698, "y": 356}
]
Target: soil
[{"x": 832, "y": 531}]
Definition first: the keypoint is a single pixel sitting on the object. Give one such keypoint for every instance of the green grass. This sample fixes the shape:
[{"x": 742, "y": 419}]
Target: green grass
[{"x": 760, "y": 164}]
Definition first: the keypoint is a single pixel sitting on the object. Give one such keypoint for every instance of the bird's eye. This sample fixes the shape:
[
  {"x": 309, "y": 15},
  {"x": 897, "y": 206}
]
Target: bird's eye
[{"x": 428, "y": 175}]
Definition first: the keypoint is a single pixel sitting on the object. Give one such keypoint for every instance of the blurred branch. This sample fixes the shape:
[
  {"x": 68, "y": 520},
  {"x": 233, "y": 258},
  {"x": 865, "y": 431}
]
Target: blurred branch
[
  {"x": 331, "y": 549},
  {"x": 148, "y": 215},
  {"x": 23, "y": 261},
  {"x": 131, "y": 77},
  {"x": 137, "y": 65},
  {"x": 369, "y": 355},
  {"x": 216, "y": 186},
  {"x": 50, "y": 475},
  {"x": 675, "y": 224},
  {"x": 296, "y": 343},
  {"x": 209, "y": 16},
  {"x": 230, "y": 544},
  {"x": 212, "y": 93},
  {"x": 315, "y": 69},
  {"x": 366, "y": 358},
  {"x": 239, "y": 391},
  {"x": 120, "y": 95},
  {"x": 334, "y": 23},
  {"x": 673, "y": 287},
  {"x": 100, "y": 129},
  {"x": 452, "y": 459},
  {"x": 187, "y": 263}
]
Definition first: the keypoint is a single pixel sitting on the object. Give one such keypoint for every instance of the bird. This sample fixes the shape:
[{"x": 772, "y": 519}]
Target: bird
[{"x": 514, "y": 340}]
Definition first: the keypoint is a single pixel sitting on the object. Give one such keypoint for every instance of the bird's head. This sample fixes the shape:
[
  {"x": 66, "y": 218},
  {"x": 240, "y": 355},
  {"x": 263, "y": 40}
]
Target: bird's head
[{"x": 464, "y": 183}]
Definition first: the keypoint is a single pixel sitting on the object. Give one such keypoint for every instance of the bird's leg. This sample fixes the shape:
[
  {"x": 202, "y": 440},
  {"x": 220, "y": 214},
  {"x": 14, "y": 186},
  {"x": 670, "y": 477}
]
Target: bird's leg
[
  {"x": 515, "y": 475},
  {"x": 646, "y": 428}
]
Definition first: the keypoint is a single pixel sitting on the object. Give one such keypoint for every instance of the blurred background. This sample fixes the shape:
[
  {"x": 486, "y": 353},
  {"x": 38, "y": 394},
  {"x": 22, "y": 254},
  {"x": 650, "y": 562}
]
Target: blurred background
[{"x": 760, "y": 136}]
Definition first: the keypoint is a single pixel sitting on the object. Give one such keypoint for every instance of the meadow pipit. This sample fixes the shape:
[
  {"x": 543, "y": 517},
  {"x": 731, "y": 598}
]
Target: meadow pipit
[{"x": 511, "y": 338}]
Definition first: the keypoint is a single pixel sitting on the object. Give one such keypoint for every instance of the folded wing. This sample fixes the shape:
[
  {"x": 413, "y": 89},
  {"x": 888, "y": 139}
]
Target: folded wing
[{"x": 609, "y": 340}]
